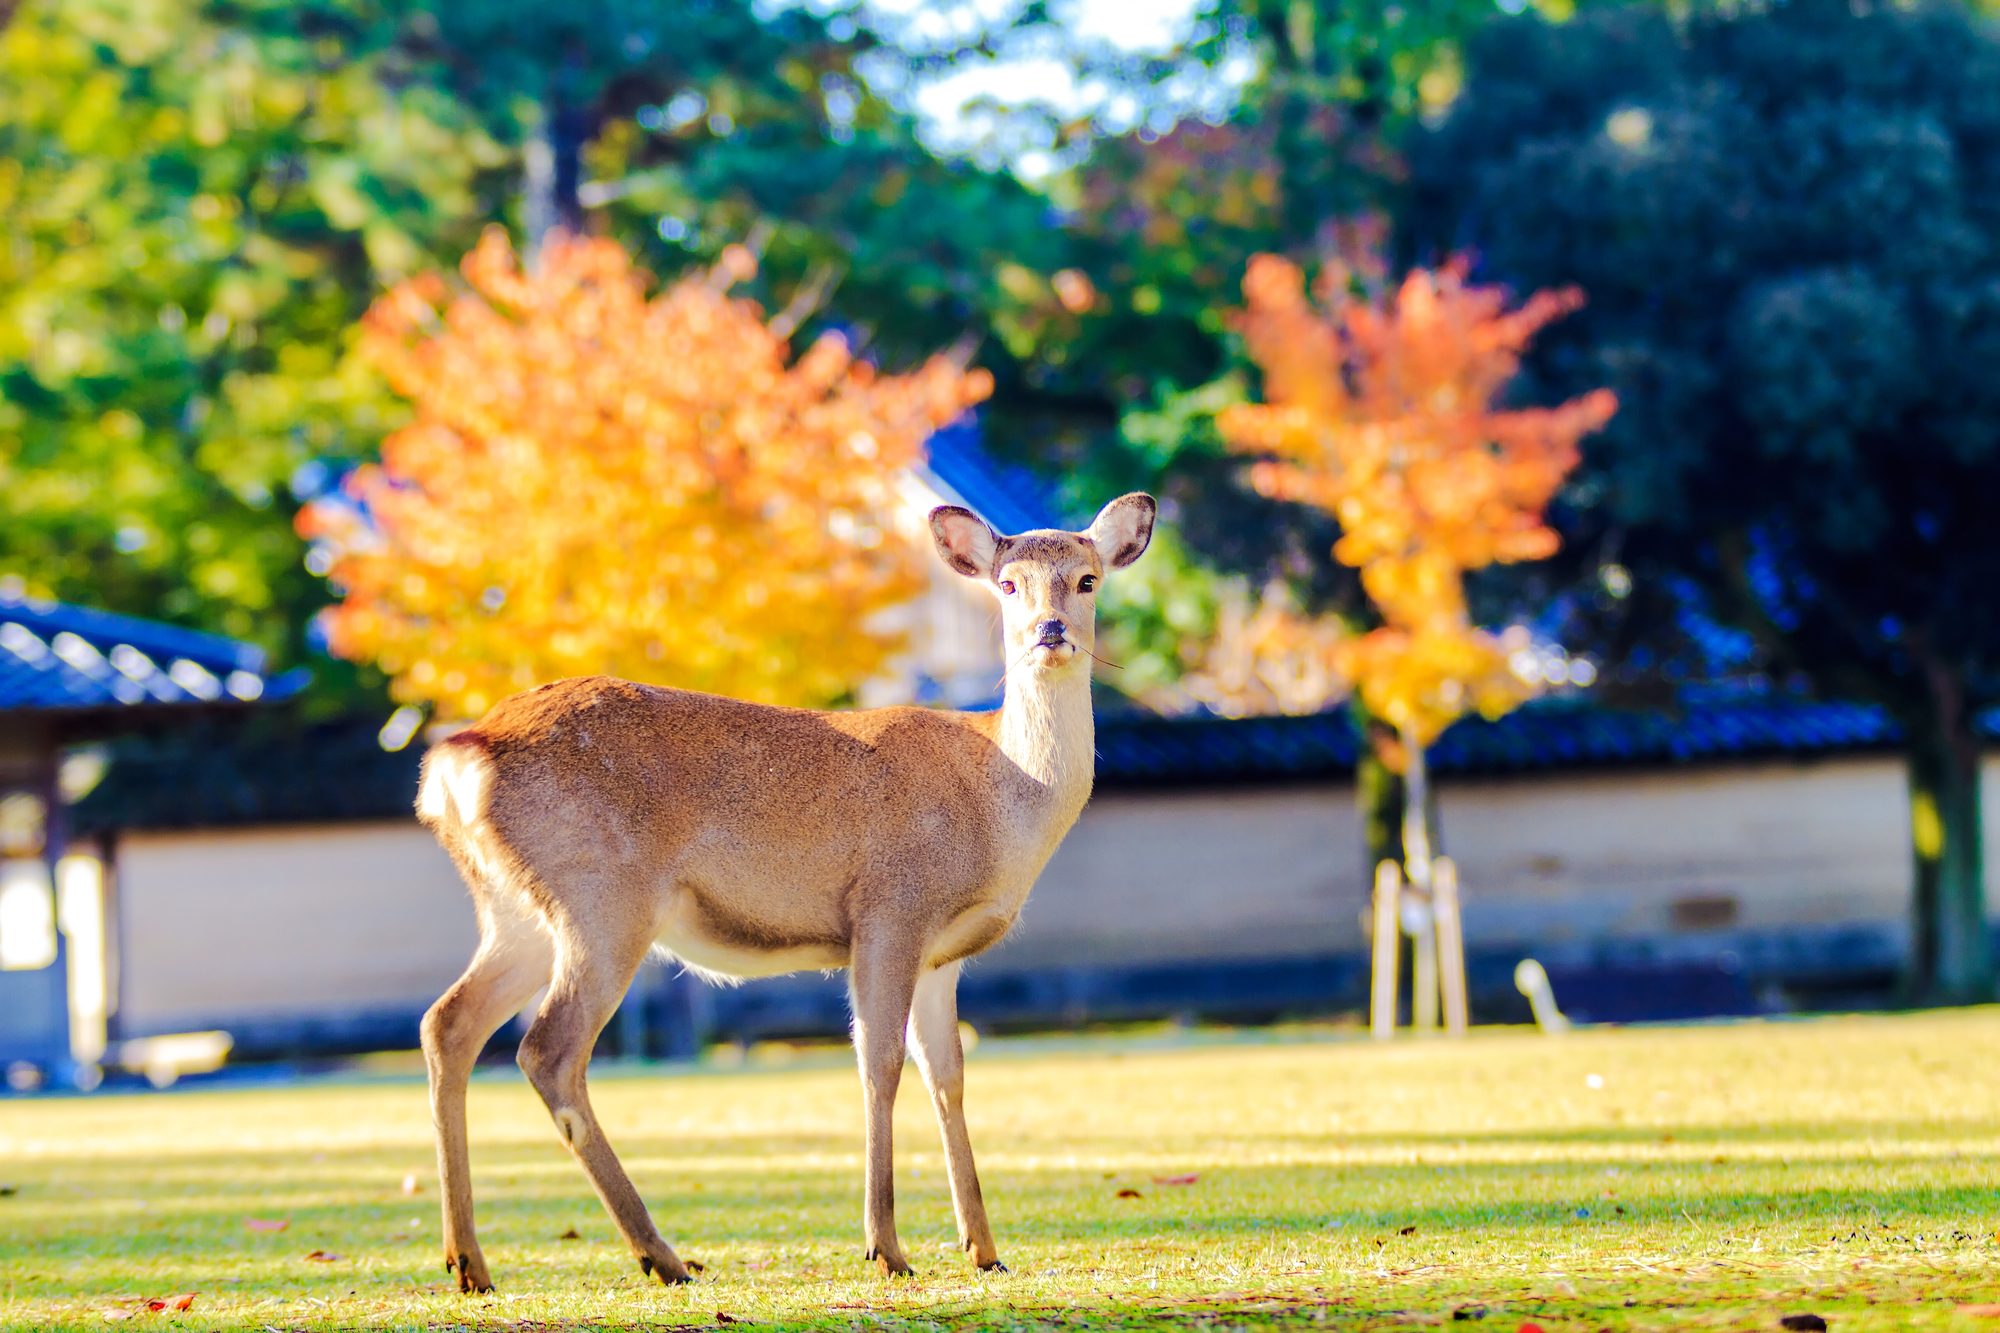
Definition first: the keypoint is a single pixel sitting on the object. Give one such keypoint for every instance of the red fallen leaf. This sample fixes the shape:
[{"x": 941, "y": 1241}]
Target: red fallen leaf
[
  {"x": 180, "y": 1302},
  {"x": 1982, "y": 1310},
  {"x": 1529, "y": 1328},
  {"x": 325, "y": 1257},
  {"x": 1176, "y": 1180},
  {"x": 266, "y": 1223},
  {"x": 1130, "y": 1194}
]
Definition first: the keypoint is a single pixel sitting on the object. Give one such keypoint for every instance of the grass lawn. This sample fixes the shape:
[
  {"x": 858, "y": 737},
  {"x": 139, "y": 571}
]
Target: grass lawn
[{"x": 1688, "y": 1178}]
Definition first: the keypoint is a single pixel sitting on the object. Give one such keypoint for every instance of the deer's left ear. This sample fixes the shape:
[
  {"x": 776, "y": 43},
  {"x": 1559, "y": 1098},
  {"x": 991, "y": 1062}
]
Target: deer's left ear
[{"x": 1123, "y": 529}]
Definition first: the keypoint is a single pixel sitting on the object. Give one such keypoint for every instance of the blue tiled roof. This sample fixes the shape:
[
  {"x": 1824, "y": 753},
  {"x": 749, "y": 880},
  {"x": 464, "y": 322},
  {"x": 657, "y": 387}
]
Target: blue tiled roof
[
  {"x": 61, "y": 657},
  {"x": 1006, "y": 495},
  {"x": 1546, "y": 735}
]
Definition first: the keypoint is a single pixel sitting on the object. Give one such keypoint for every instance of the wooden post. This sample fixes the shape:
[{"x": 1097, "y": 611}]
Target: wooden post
[
  {"x": 1419, "y": 918},
  {"x": 1388, "y": 935},
  {"x": 1421, "y": 923},
  {"x": 1450, "y": 945}
]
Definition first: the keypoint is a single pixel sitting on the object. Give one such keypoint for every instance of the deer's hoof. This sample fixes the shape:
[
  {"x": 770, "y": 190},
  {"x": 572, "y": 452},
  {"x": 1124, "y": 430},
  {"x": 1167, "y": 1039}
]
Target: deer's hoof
[
  {"x": 473, "y": 1278},
  {"x": 670, "y": 1272},
  {"x": 891, "y": 1266}
]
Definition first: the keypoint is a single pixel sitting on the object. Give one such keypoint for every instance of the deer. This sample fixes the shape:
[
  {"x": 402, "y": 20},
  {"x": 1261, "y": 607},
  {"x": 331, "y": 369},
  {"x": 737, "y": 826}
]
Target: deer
[{"x": 596, "y": 821}]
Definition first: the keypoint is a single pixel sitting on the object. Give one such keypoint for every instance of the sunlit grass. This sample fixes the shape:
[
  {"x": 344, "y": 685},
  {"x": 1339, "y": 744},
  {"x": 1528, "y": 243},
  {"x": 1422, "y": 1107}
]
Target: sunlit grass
[{"x": 1720, "y": 1178}]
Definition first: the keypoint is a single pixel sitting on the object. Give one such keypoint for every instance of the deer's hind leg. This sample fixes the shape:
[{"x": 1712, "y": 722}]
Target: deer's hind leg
[
  {"x": 596, "y": 958},
  {"x": 513, "y": 961}
]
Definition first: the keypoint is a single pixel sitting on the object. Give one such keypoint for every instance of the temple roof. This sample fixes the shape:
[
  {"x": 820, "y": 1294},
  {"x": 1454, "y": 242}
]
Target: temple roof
[{"x": 58, "y": 657}]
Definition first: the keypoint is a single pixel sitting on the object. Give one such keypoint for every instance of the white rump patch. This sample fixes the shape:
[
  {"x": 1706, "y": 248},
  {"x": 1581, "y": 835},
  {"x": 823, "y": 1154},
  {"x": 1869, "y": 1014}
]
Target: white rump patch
[{"x": 455, "y": 779}]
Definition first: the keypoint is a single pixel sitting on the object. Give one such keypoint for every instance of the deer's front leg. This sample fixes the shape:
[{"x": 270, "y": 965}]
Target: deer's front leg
[
  {"x": 934, "y": 1025},
  {"x": 883, "y": 975}
]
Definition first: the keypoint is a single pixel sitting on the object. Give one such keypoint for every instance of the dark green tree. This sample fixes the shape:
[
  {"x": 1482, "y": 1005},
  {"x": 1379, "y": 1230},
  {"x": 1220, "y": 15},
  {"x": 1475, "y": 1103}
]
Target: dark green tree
[{"x": 1788, "y": 225}]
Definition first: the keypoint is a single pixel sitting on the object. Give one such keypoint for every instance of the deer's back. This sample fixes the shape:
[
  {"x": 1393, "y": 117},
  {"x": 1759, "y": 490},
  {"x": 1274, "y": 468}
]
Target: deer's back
[{"x": 766, "y": 828}]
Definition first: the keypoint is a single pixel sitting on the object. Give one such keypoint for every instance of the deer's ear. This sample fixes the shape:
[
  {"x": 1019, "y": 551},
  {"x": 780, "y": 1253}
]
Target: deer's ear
[
  {"x": 1123, "y": 529},
  {"x": 964, "y": 541}
]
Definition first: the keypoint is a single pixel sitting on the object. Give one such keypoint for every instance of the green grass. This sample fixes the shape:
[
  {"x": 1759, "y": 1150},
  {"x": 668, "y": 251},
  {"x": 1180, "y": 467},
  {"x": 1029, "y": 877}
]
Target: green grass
[{"x": 1720, "y": 1178}]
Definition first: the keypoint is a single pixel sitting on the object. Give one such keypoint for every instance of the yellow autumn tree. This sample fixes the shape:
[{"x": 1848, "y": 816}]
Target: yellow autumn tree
[
  {"x": 599, "y": 480},
  {"x": 1381, "y": 413}
]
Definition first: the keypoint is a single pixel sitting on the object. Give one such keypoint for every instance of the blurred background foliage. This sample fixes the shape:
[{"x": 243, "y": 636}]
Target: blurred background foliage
[
  {"x": 1782, "y": 221},
  {"x": 201, "y": 199},
  {"x": 1786, "y": 219}
]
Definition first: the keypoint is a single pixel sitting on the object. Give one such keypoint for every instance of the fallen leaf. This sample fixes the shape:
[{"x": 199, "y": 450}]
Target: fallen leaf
[
  {"x": 1130, "y": 1194},
  {"x": 1407, "y": 1231},
  {"x": 9, "y": 1191},
  {"x": 722, "y": 1318},
  {"x": 1803, "y": 1323},
  {"x": 1176, "y": 1180},
  {"x": 110, "y": 1315},
  {"x": 1529, "y": 1328},
  {"x": 694, "y": 1265},
  {"x": 571, "y": 1234},
  {"x": 180, "y": 1302},
  {"x": 1469, "y": 1312},
  {"x": 1986, "y": 1310},
  {"x": 325, "y": 1257},
  {"x": 267, "y": 1224}
]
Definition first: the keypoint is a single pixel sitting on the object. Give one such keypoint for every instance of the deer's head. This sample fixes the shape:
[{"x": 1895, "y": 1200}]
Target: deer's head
[{"x": 1046, "y": 580}]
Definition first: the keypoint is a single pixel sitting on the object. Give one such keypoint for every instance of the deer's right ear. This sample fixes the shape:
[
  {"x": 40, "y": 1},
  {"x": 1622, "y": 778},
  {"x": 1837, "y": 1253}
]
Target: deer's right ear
[{"x": 964, "y": 541}]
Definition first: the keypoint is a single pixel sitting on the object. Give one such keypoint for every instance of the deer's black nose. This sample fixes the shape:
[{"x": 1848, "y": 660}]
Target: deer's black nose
[{"x": 1050, "y": 633}]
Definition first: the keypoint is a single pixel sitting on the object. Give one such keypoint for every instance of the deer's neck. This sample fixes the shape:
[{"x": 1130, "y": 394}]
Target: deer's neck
[{"x": 1046, "y": 730}]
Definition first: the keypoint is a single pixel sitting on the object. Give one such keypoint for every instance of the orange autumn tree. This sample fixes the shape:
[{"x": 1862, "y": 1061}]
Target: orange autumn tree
[
  {"x": 1381, "y": 413},
  {"x": 596, "y": 480}
]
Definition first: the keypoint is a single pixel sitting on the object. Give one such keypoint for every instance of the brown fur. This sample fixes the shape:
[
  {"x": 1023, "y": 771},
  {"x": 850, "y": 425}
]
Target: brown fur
[{"x": 595, "y": 818}]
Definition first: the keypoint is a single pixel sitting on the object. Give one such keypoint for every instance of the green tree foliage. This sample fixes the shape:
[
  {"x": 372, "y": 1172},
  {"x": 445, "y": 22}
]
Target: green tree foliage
[
  {"x": 1166, "y": 225},
  {"x": 1788, "y": 224},
  {"x": 196, "y": 212},
  {"x": 202, "y": 200}
]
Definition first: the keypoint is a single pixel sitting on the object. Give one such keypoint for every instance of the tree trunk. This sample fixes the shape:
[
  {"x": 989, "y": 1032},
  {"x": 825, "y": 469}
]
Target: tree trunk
[
  {"x": 1378, "y": 791},
  {"x": 552, "y": 171},
  {"x": 1950, "y": 956}
]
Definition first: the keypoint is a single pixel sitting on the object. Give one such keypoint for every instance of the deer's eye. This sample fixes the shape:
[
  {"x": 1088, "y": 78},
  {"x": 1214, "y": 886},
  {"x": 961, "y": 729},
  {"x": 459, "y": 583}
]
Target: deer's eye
[
  {"x": 1007, "y": 586},
  {"x": 1087, "y": 583}
]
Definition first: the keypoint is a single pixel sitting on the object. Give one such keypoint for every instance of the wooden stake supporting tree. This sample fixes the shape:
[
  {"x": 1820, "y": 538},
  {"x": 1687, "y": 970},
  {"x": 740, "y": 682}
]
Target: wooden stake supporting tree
[
  {"x": 1380, "y": 412},
  {"x": 596, "y": 480}
]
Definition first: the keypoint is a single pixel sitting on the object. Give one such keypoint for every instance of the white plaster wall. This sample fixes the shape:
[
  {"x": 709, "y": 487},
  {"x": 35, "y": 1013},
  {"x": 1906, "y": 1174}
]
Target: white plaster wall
[
  {"x": 1172, "y": 875},
  {"x": 1551, "y": 858},
  {"x": 347, "y": 916},
  {"x": 297, "y": 920},
  {"x": 1563, "y": 857}
]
